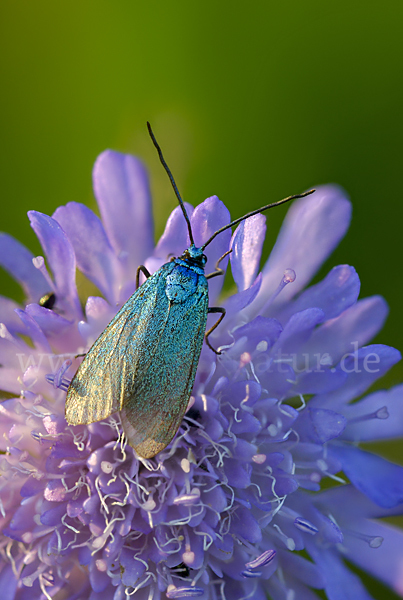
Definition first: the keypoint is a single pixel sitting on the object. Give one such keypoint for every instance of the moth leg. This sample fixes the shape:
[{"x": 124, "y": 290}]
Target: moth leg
[
  {"x": 145, "y": 272},
  {"x": 80, "y": 355},
  {"x": 214, "y": 309},
  {"x": 218, "y": 270}
]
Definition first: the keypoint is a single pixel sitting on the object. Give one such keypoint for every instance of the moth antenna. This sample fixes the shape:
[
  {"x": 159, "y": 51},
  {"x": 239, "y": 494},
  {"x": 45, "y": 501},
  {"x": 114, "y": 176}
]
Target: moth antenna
[
  {"x": 255, "y": 212},
  {"x": 172, "y": 180}
]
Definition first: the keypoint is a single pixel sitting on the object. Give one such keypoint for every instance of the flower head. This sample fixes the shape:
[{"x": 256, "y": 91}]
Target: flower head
[{"x": 235, "y": 506}]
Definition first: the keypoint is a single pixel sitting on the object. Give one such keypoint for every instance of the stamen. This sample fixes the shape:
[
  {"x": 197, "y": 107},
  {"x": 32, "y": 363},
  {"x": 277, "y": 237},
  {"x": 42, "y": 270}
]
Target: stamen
[
  {"x": 106, "y": 467},
  {"x": 185, "y": 464},
  {"x": 101, "y": 565},
  {"x": 188, "y": 556},
  {"x": 261, "y": 561},
  {"x": 288, "y": 541},
  {"x": 42, "y": 582},
  {"x": 373, "y": 541},
  {"x": 186, "y": 499},
  {"x": 305, "y": 526},
  {"x": 183, "y": 592},
  {"x": 259, "y": 459},
  {"x": 206, "y": 536},
  {"x": 251, "y": 574},
  {"x": 57, "y": 380},
  {"x": 6, "y": 335},
  {"x": 381, "y": 413},
  {"x": 39, "y": 263},
  {"x": 244, "y": 359},
  {"x": 179, "y": 540},
  {"x": 288, "y": 277}
]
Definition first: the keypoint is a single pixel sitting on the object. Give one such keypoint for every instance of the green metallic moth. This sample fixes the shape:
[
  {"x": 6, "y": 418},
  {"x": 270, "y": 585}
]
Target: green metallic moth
[{"x": 144, "y": 363}]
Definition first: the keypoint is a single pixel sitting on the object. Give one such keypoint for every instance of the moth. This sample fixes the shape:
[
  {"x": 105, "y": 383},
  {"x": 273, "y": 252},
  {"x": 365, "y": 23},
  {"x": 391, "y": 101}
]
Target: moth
[{"x": 144, "y": 363}]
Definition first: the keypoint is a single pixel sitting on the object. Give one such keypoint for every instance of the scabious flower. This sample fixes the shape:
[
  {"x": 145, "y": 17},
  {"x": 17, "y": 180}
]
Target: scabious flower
[{"x": 240, "y": 504}]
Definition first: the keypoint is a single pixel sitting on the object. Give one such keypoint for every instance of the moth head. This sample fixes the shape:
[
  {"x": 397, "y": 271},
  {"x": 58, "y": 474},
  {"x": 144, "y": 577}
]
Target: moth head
[{"x": 195, "y": 254}]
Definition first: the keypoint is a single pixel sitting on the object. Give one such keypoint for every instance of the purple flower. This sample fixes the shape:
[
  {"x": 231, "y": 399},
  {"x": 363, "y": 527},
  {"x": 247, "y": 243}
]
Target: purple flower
[{"x": 226, "y": 509}]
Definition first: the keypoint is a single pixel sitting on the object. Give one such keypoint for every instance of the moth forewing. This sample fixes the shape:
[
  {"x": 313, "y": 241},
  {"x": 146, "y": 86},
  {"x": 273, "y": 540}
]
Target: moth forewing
[
  {"x": 96, "y": 389},
  {"x": 152, "y": 412},
  {"x": 144, "y": 364}
]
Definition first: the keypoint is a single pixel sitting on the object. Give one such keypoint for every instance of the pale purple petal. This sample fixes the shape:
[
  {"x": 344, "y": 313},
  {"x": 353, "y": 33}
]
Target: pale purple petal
[
  {"x": 61, "y": 259},
  {"x": 122, "y": 192},
  {"x": 246, "y": 526},
  {"x": 334, "y": 294},
  {"x": 363, "y": 367},
  {"x": 297, "y": 331},
  {"x": 175, "y": 238},
  {"x": 318, "y": 425},
  {"x": 8, "y": 583},
  {"x": 311, "y": 230},
  {"x": 94, "y": 254},
  {"x": 357, "y": 325},
  {"x": 49, "y": 321},
  {"x": 317, "y": 379},
  {"x": 379, "y": 479},
  {"x": 302, "y": 569},
  {"x": 8, "y": 315},
  {"x": 340, "y": 583},
  {"x": 379, "y": 416},
  {"x": 235, "y": 303},
  {"x": 33, "y": 330},
  {"x": 346, "y": 503},
  {"x": 246, "y": 244},
  {"x": 208, "y": 217},
  {"x": 17, "y": 260},
  {"x": 385, "y": 562}
]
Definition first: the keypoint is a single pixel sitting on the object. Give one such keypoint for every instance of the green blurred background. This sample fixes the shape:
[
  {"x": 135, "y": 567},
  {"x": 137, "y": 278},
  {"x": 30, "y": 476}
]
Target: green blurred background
[{"x": 250, "y": 101}]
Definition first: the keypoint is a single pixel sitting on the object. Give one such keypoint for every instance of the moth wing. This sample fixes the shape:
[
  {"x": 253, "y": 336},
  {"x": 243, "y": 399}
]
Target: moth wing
[
  {"x": 155, "y": 402},
  {"x": 98, "y": 387}
]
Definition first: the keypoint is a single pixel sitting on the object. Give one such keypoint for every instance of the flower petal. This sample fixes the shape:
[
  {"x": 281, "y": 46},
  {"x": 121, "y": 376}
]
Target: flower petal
[
  {"x": 346, "y": 503},
  {"x": 94, "y": 254},
  {"x": 311, "y": 230},
  {"x": 122, "y": 192},
  {"x": 33, "y": 330},
  {"x": 17, "y": 260},
  {"x": 61, "y": 258},
  {"x": 379, "y": 479},
  {"x": 363, "y": 367},
  {"x": 340, "y": 584},
  {"x": 357, "y": 324},
  {"x": 246, "y": 526},
  {"x": 385, "y": 563},
  {"x": 235, "y": 303},
  {"x": 334, "y": 294},
  {"x": 8, "y": 315},
  {"x": 49, "y": 321},
  {"x": 301, "y": 568},
  {"x": 381, "y": 414},
  {"x": 208, "y": 217},
  {"x": 8, "y": 583},
  {"x": 297, "y": 331},
  {"x": 175, "y": 238},
  {"x": 246, "y": 244},
  {"x": 318, "y": 426}
]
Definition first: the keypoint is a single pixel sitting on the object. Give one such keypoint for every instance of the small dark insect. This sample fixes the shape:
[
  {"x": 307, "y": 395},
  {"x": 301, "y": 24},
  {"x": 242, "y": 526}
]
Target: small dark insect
[
  {"x": 48, "y": 300},
  {"x": 144, "y": 363}
]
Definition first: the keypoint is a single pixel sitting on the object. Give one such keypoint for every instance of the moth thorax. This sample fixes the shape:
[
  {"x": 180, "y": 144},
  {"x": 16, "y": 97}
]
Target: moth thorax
[{"x": 180, "y": 284}]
